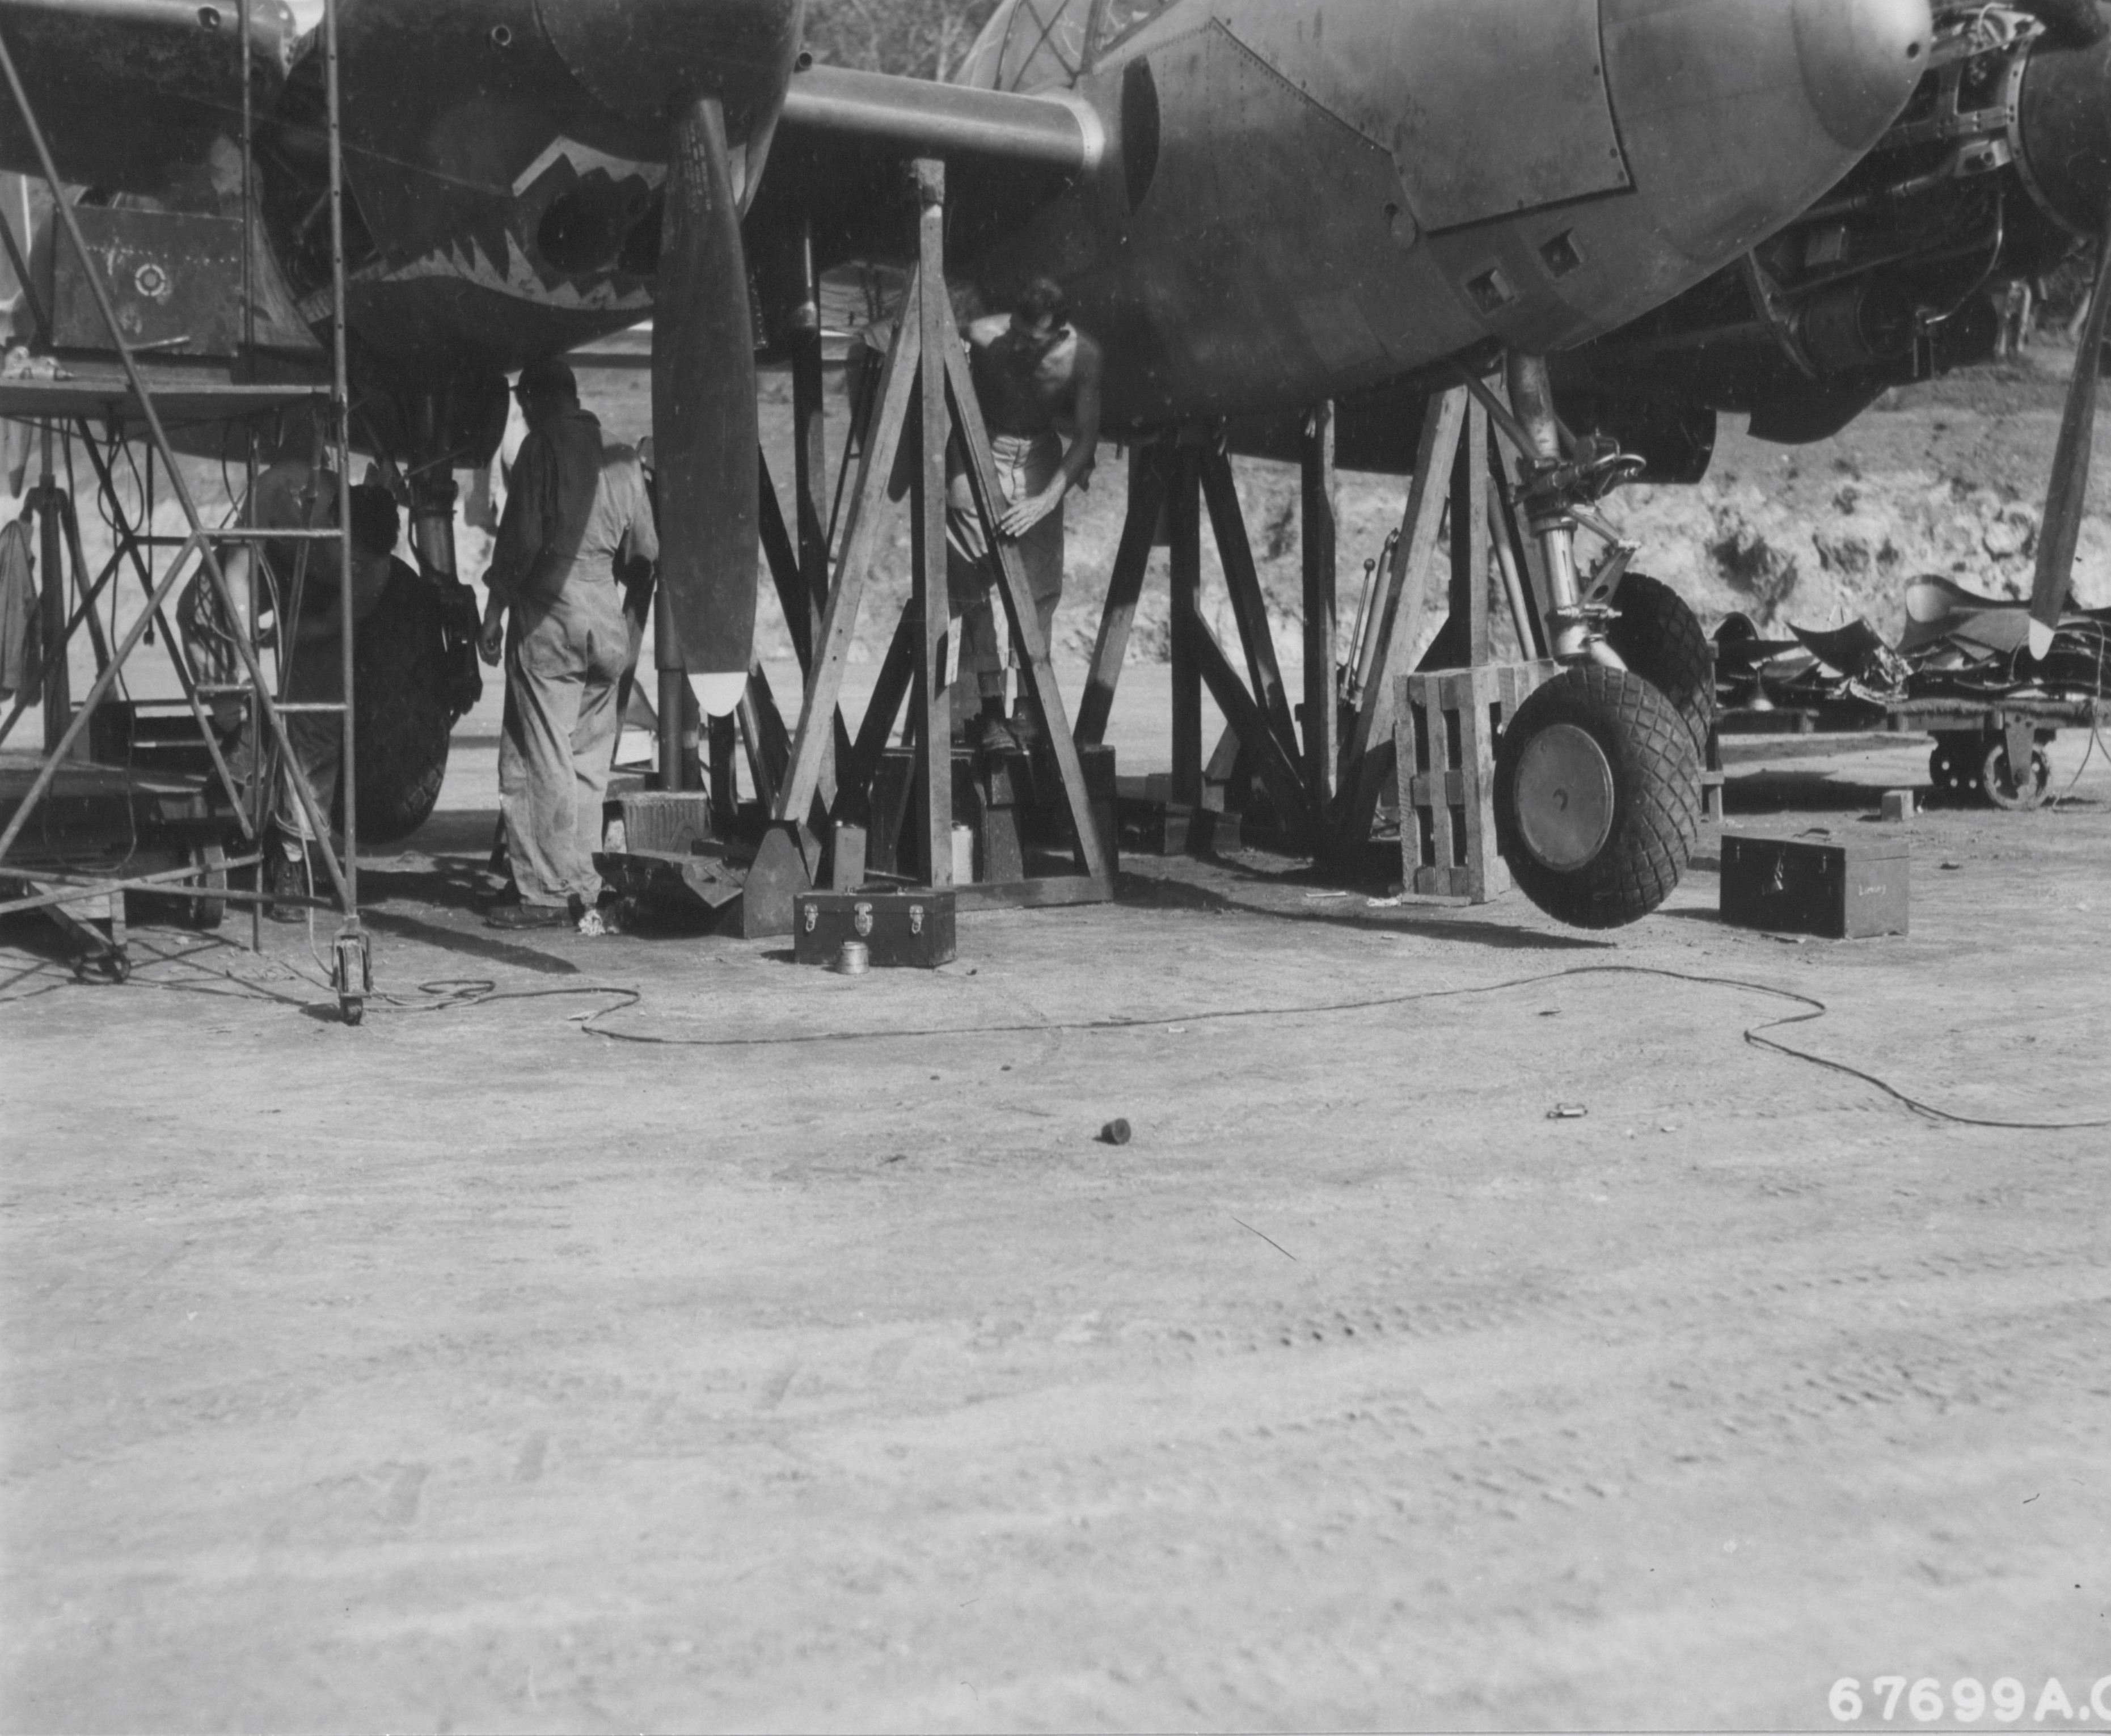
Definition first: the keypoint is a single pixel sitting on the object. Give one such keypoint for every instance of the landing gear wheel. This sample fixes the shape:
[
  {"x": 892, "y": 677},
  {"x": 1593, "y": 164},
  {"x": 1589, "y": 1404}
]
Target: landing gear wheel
[
  {"x": 1942, "y": 768},
  {"x": 1659, "y": 638},
  {"x": 1597, "y": 797},
  {"x": 206, "y": 914},
  {"x": 2000, "y": 783},
  {"x": 401, "y": 699}
]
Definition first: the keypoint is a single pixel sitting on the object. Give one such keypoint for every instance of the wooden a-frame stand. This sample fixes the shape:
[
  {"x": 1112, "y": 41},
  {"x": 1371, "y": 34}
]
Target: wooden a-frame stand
[
  {"x": 1326, "y": 789},
  {"x": 926, "y": 372}
]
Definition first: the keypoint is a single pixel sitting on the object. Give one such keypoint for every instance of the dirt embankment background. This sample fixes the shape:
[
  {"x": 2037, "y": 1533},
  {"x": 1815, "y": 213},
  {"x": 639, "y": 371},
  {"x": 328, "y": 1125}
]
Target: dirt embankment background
[{"x": 1947, "y": 478}]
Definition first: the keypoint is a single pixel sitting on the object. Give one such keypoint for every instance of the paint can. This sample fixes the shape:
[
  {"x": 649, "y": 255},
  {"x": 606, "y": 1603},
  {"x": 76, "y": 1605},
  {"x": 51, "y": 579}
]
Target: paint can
[{"x": 853, "y": 960}]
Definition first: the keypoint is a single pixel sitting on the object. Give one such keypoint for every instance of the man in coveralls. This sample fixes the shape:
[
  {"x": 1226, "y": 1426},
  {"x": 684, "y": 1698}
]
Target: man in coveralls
[
  {"x": 557, "y": 608},
  {"x": 1037, "y": 377}
]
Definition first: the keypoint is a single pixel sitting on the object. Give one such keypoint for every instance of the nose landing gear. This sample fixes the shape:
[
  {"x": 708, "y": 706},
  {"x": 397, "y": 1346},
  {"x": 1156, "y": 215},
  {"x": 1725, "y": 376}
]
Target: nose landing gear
[{"x": 1598, "y": 791}]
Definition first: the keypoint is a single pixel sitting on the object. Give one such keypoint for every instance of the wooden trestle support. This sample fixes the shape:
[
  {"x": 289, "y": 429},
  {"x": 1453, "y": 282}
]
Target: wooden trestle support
[
  {"x": 825, "y": 773},
  {"x": 1326, "y": 787},
  {"x": 1327, "y": 765}
]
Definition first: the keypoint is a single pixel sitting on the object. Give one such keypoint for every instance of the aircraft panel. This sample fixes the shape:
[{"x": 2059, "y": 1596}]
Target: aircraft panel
[{"x": 1416, "y": 76}]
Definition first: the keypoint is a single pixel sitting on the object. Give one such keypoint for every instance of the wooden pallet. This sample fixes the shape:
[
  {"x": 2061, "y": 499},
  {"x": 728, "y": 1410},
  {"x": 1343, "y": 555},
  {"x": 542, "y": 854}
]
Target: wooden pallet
[{"x": 1448, "y": 723}]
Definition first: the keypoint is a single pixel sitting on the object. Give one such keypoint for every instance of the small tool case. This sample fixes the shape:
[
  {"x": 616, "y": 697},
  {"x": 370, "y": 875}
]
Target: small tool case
[
  {"x": 912, "y": 929},
  {"x": 1849, "y": 891}
]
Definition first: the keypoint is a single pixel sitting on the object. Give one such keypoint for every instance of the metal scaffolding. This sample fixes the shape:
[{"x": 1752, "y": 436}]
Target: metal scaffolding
[{"x": 129, "y": 406}]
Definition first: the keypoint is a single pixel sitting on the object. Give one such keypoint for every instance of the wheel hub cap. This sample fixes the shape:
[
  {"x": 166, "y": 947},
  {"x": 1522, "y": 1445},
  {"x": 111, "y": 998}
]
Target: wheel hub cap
[{"x": 1564, "y": 796}]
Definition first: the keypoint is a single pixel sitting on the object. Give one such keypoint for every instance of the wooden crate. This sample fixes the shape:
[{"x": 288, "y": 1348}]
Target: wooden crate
[
  {"x": 1446, "y": 725},
  {"x": 653, "y": 820}
]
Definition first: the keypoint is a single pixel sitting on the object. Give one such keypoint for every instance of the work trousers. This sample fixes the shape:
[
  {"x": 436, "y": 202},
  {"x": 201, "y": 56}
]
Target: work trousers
[
  {"x": 1025, "y": 466},
  {"x": 563, "y": 663},
  {"x": 318, "y": 739}
]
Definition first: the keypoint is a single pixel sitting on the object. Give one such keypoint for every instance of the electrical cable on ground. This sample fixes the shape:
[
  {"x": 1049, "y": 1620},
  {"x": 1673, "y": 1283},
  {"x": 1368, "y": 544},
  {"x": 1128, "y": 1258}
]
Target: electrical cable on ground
[{"x": 448, "y": 994}]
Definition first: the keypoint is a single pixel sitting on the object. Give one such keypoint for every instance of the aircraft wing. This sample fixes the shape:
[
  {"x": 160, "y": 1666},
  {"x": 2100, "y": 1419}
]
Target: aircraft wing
[
  {"x": 846, "y": 137},
  {"x": 131, "y": 93}
]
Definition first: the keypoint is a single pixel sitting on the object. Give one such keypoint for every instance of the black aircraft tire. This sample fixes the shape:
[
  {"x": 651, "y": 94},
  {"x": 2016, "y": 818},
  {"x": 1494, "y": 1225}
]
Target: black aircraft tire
[
  {"x": 1659, "y": 636},
  {"x": 401, "y": 702},
  {"x": 1604, "y": 847}
]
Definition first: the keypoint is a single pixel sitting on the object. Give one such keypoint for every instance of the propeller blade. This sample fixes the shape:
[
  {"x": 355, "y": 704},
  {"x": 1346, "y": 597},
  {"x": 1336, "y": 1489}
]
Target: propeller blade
[
  {"x": 2068, "y": 493},
  {"x": 704, "y": 420}
]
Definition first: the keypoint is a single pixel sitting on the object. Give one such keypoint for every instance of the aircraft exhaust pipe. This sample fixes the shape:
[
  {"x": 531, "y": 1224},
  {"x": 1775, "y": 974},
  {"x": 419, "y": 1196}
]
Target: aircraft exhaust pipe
[
  {"x": 2069, "y": 24},
  {"x": 1059, "y": 132}
]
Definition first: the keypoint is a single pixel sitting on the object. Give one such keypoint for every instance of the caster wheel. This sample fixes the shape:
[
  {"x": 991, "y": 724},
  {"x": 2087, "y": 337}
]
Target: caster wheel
[
  {"x": 1597, "y": 797},
  {"x": 206, "y": 914},
  {"x": 352, "y": 1009},
  {"x": 1659, "y": 638},
  {"x": 2005, "y": 790}
]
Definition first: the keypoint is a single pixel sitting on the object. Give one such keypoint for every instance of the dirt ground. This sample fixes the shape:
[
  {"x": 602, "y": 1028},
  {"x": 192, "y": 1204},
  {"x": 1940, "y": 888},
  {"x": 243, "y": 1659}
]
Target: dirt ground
[{"x": 666, "y": 1335}]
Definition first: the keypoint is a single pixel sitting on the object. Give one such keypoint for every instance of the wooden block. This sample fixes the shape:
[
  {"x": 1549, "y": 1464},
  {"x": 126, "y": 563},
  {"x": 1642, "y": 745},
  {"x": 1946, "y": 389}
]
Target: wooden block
[
  {"x": 1898, "y": 806},
  {"x": 776, "y": 878},
  {"x": 658, "y": 822},
  {"x": 1711, "y": 795},
  {"x": 893, "y": 788},
  {"x": 992, "y": 799},
  {"x": 847, "y": 860},
  {"x": 1849, "y": 891},
  {"x": 1150, "y": 829}
]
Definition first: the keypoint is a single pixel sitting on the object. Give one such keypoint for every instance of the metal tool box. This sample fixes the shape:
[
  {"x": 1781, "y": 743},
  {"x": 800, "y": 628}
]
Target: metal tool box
[
  {"x": 913, "y": 929},
  {"x": 1842, "y": 891}
]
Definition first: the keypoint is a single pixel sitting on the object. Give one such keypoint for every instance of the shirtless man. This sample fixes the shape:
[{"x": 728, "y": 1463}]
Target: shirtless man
[{"x": 1037, "y": 376}]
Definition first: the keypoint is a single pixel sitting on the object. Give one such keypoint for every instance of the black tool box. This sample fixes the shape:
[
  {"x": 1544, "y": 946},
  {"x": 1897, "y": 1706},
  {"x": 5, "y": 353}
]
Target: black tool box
[
  {"x": 913, "y": 929},
  {"x": 1849, "y": 891}
]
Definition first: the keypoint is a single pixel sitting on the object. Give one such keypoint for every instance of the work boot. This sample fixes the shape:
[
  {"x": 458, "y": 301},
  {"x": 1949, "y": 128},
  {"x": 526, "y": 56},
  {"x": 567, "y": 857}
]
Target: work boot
[
  {"x": 286, "y": 881},
  {"x": 1027, "y": 729},
  {"x": 995, "y": 736},
  {"x": 519, "y": 913}
]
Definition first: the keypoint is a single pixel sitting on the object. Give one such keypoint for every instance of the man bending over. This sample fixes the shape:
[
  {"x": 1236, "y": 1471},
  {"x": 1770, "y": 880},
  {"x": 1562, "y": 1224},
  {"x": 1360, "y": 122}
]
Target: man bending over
[{"x": 1037, "y": 377}]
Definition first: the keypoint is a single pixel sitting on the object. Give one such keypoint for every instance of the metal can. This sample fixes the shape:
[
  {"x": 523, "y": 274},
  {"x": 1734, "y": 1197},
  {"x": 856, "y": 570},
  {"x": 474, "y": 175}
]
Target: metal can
[{"x": 853, "y": 960}]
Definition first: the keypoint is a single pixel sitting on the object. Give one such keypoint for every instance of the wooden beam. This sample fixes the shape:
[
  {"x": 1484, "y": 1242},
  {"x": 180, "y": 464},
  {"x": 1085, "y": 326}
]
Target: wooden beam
[
  {"x": 1183, "y": 515},
  {"x": 1055, "y": 892},
  {"x": 933, "y": 704},
  {"x": 1397, "y": 626},
  {"x": 824, "y": 685},
  {"x": 810, "y": 449},
  {"x": 1469, "y": 536},
  {"x": 1147, "y": 499},
  {"x": 783, "y": 560},
  {"x": 1321, "y": 564},
  {"x": 896, "y": 674},
  {"x": 1277, "y": 770},
  {"x": 1228, "y": 524}
]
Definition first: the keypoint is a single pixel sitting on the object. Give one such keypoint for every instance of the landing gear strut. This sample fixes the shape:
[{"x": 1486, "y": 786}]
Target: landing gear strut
[{"x": 1598, "y": 775}]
